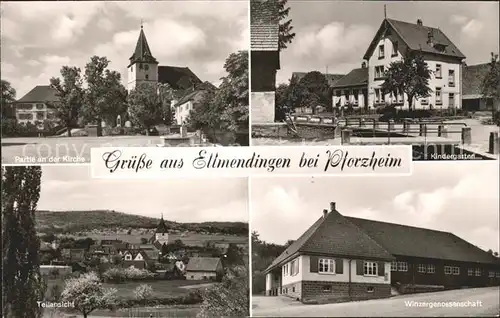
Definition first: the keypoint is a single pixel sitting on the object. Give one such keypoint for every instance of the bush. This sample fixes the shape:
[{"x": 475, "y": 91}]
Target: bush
[
  {"x": 192, "y": 298},
  {"x": 119, "y": 275},
  {"x": 143, "y": 292}
]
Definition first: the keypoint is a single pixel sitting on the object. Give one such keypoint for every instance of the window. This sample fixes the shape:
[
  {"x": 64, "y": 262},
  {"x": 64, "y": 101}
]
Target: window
[
  {"x": 456, "y": 270},
  {"x": 147, "y": 76},
  {"x": 140, "y": 66},
  {"x": 447, "y": 270},
  {"x": 370, "y": 289},
  {"x": 327, "y": 288},
  {"x": 128, "y": 257},
  {"x": 40, "y": 115},
  {"x": 326, "y": 265},
  {"x": 394, "y": 266},
  {"x": 379, "y": 71},
  {"x": 370, "y": 269},
  {"x": 431, "y": 269},
  {"x": 24, "y": 106},
  {"x": 377, "y": 95},
  {"x": 498, "y": 275},
  {"x": 40, "y": 106},
  {"x": 395, "y": 48},
  {"x": 451, "y": 78},
  {"x": 146, "y": 67},
  {"x": 26, "y": 116},
  {"x": 424, "y": 101},
  {"x": 491, "y": 274},
  {"x": 422, "y": 268},
  {"x": 132, "y": 69},
  {"x": 478, "y": 272},
  {"x": 470, "y": 272},
  {"x": 439, "y": 98},
  {"x": 402, "y": 266},
  {"x": 293, "y": 289},
  {"x": 381, "y": 51},
  {"x": 294, "y": 267},
  {"x": 438, "y": 71},
  {"x": 285, "y": 270}
]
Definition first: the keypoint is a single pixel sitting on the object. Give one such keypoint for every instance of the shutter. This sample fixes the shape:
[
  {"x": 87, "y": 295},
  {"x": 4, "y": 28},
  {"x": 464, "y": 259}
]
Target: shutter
[
  {"x": 381, "y": 268},
  {"x": 359, "y": 267},
  {"x": 313, "y": 265},
  {"x": 339, "y": 266}
]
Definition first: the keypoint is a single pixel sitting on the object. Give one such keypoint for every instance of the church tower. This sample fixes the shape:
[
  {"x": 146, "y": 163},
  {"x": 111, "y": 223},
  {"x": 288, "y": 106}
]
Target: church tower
[
  {"x": 161, "y": 234},
  {"x": 143, "y": 67}
]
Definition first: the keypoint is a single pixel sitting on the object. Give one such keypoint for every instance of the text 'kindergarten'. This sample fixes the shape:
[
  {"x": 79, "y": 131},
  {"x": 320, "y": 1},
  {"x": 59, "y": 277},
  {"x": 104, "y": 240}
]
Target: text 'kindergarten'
[{"x": 240, "y": 161}]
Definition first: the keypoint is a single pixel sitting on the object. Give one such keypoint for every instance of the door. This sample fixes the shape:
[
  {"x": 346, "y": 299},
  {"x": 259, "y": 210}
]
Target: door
[{"x": 451, "y": 100}]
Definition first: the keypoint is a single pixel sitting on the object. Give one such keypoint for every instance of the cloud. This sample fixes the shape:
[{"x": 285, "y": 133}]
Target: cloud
[
  {"x": 473, "y": 28},
  {"x": 458, "y": 19},
  {"x": 333, "y": 41}
]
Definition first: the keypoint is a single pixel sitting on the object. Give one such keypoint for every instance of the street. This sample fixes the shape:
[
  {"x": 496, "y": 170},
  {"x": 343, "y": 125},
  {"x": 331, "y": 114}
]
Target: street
[{"x": 486, "y": 300}]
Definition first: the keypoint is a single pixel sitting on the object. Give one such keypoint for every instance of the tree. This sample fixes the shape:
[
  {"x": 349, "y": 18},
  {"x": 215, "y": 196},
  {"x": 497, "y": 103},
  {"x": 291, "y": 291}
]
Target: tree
[
  {"x": 285, "y": 27},
  {"x": 230, "y": 298},
  {"x": 145, "y": 107},
  {"x": 69, "y": 92},
  {"x": 87, "y": 293},
  {"x": 8, "y": 97},
  {"x": 143, "y": 292},
  {"x": 166, "y": 97},
  {"x": 490, "y": 86},
  {"x": 22, "y": 283},
  {"x": 282, "y": 105},
  {"x": 105, "y": 96},
  {"x": 311, "y": 91},
  {"x": 409, "y": 76},
  {"x": 233, "y": 256},
  {"x": 225, "y": 109}
]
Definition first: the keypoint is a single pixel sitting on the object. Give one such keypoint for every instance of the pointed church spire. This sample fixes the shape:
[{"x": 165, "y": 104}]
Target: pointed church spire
[
  {"x": 142, "y": 53},
  {"x": 162, "y": 227}
]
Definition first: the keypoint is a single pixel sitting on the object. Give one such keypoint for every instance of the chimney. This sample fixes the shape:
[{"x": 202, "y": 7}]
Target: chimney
[
  {"x": 332, "y": 206},
  {"x": 363, "y": 65},
  {"x": 419, "y": 22},
  {"x": 325, "y": 213}
]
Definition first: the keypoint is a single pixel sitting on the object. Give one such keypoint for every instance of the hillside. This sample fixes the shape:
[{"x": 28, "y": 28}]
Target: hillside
[{"x": 78, "y": 221}]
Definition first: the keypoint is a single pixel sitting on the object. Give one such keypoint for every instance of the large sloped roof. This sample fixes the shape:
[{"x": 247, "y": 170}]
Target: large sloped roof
[
  {"x": 336, "y": 236},
  {"x": 415, "y": 37},
  {"x": 356, "y": 77},
  {"x": 203, "y": 264},
  {"x": 177, "y": 77},
  {"x": 40, "y": 93},
  {"x": 331, "y": 78},
  {"x": 142, "y": 52},
  {"x": 264, "y": 25},
  {"x": 420, "y": 242}
]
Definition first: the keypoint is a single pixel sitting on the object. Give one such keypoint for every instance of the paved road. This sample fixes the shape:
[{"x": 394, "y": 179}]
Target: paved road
[{"x": 486, "y": 299}]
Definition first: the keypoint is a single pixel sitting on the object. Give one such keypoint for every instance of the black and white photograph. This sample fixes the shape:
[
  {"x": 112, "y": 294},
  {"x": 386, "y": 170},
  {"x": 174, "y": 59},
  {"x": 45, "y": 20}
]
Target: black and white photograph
[
  {"x": 410, "y": 246},
  {"x": 78, "y": 75},
  {"x": 74, "y": 246},
  {"x": 417, "y": 73}
]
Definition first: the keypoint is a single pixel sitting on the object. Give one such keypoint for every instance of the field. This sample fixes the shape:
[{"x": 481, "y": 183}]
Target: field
[{"x": 161, "y": 289}]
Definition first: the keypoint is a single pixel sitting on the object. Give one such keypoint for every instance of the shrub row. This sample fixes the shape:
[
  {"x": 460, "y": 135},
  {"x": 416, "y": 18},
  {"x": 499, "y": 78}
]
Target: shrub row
[
  {"x": 192, "y": 298},
  {"x": 119, "y": 274}
]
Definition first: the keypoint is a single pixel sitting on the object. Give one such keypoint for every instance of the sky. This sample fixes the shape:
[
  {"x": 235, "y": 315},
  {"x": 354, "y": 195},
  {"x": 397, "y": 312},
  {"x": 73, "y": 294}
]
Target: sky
[
  {"x": 458, "y": 197},
  {"x": 336, "y": 34},
  {"x": 71, "y": 188},
  {"x": 38, "y": 38}
]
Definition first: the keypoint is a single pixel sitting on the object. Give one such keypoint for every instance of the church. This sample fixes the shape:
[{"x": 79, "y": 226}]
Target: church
[
  {"x": 144, "y": 68},
  {"x": 160, "y": 238}
]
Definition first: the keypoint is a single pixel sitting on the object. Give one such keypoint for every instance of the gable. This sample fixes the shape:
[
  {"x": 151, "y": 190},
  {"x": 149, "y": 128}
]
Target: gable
[{"x": 415, "y": 38}]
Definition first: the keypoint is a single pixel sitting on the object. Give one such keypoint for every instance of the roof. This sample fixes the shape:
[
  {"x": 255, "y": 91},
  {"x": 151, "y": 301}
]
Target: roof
[
  {"x": 162, "y": 227},
  {"x": 331, "y": 78},
  {"x": 473, "y": 77},
  {"x": 40, "y": 93},
  {"x": 336, "y": 236},
  {"x": 356, "y": 77},
  {"x": 411, "y": 241},
  {"x": 195, "y": 96},
  {"x": 177, "y": 77},
  {"x": 416, "y": 38},
  {"x": 142, "y": 52},
  {"x": 202, "y": 264},
  {"x": 264, "y": 25}
]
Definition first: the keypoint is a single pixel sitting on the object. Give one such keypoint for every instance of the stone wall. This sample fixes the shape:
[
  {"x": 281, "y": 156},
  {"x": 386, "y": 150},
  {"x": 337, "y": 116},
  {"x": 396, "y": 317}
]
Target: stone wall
[
  {"x": 331, "y": 292},
  {"x": 293, "y": 290}
]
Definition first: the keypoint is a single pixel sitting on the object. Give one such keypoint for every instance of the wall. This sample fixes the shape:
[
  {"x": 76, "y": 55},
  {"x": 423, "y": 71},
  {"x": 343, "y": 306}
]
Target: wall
[
  {"x": 182, "y": 112},
  {"x": 200, "y": 275},
  {"x": 162, "y": 237},
  {"x": 137, "y": 75},
  {"x": 38, "y": 113},
  {"x": 262, "y": 104},
  {"x": 431, "y": 60}
]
